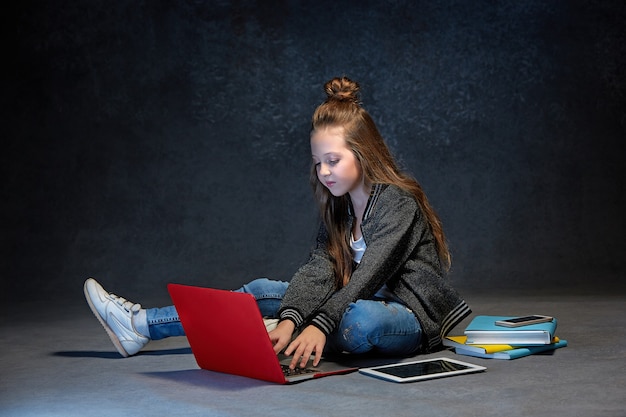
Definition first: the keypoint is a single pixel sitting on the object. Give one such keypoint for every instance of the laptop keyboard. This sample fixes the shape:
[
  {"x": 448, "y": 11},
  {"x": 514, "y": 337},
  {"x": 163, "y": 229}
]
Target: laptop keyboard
[{"x": 298, "y": 371}]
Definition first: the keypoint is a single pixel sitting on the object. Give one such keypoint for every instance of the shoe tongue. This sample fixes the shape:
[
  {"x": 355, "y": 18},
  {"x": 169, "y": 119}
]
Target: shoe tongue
[{"x": 128, "y": 305}]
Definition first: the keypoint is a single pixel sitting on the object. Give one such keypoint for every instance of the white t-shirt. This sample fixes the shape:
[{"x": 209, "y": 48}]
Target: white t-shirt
[{"x": 358, "y": 248}]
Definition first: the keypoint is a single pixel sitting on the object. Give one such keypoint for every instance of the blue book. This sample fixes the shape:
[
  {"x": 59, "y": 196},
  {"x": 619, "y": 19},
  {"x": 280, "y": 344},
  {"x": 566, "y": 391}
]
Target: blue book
[
  {"x": 482, "y": 330},
  {"x": 512, "y": 353}
]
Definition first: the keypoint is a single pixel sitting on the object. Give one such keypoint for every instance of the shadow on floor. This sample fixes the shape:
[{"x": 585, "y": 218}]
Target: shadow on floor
[{"x": 115, "y": 355}]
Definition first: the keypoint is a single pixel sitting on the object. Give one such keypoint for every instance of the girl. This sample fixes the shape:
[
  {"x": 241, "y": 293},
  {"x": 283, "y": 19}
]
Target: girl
[{"x": 375, "y": 280}]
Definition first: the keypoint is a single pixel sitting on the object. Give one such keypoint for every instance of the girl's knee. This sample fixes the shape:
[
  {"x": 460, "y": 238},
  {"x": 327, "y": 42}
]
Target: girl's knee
[
  {"x": 255, "y": 284},
  {"x": 359, "y": 315},
  {"x": 388, "y": 327},
  {"x": 355, "y": 329},
  {"x": 264, "y": 287},
  {"x": 267, "y": 293}
]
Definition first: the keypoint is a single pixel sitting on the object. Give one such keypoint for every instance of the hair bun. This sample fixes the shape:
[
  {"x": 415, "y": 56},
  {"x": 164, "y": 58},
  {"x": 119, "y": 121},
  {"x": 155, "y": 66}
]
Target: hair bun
[{"x": 342, "y": 89}]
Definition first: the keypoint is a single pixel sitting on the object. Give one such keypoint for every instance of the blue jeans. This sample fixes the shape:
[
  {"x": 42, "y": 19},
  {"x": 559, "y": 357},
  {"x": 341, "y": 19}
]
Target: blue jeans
[{"x": 367, "y": 325}]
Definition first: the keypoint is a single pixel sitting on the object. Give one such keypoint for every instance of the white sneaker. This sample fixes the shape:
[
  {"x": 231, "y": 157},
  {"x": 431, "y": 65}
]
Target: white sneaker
[{"x": 116, "y": 316}]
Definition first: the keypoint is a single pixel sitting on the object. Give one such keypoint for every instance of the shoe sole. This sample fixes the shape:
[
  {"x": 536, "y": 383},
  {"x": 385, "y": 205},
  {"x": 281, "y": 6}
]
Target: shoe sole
[{"x": 112, "y": 336}]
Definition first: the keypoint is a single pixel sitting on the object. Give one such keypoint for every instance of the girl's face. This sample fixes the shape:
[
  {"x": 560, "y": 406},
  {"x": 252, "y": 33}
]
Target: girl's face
[{"x": 337, "y": 167}]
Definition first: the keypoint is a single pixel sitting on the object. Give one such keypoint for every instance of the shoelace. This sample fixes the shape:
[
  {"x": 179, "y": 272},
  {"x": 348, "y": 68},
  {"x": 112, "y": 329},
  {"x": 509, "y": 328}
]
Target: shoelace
[{"x": 125, "y": 304}]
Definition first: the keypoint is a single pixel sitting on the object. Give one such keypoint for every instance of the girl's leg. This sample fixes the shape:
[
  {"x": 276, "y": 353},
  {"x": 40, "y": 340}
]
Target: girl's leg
[
  {"x": 161, "y": 322},
  {"x": 130, "y": 327},
  {"x": 383, "y": 326},
  {"x": 164, "y": 322}
]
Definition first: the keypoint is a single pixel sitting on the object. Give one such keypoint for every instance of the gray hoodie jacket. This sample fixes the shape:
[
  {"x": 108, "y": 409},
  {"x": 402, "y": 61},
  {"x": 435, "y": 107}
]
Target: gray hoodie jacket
[{"x": 400, "y": 252}]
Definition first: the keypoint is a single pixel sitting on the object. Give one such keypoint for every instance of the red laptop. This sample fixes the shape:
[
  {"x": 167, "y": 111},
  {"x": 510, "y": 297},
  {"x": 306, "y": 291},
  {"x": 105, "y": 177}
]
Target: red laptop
[{"x": 227, "y": 334}]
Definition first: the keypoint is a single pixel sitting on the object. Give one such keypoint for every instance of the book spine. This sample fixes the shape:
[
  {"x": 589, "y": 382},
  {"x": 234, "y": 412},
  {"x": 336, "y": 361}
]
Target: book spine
[
  {"x": 513, "y": 353},
  {"x": 511, "y": 338}
]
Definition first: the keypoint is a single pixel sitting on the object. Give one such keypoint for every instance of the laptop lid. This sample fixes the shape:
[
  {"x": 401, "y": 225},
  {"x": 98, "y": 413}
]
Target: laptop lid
[{"x": 227, "y": 334}]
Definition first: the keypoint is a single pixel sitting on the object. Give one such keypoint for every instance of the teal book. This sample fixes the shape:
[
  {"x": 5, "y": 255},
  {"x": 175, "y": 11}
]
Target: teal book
[
  {"x": 482, "y": 330},
  {"x": 512, "y": 353}
]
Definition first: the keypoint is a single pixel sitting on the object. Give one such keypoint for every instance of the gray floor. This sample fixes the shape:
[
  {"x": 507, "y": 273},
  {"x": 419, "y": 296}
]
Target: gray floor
[{"x": 57, "y": 361}]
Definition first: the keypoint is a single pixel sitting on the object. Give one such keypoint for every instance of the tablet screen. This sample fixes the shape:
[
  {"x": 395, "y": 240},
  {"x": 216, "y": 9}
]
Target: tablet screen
[{"x": 422, "y": 368}]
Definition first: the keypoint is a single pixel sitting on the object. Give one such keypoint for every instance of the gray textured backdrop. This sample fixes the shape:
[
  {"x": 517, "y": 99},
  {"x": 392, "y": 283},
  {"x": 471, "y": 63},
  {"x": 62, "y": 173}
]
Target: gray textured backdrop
[{"x": 155, "y": 141}]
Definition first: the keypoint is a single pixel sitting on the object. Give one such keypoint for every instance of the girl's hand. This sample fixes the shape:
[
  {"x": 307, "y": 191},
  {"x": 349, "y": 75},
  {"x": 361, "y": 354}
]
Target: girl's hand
[
  {"x": 310, "y": 340},
  {"x": 281, "y": 335}
]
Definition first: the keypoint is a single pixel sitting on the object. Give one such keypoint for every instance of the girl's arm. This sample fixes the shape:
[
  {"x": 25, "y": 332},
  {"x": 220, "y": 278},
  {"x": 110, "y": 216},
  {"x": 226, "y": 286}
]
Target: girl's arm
[
  {"x": 310, "y": 286},
  {"x": 392, "y": 234}
]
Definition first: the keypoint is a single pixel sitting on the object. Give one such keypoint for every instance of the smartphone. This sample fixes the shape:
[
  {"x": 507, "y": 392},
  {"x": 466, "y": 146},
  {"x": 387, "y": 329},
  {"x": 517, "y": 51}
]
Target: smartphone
[{"x": 523, "y": 321}]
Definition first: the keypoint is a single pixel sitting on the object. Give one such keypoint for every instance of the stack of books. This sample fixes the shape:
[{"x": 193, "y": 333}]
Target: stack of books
[{"x": 484, "y": 339}]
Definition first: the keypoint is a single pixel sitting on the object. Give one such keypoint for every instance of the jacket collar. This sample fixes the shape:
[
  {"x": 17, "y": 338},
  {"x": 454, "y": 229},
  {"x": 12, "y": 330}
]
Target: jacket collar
[{"x": 375, "y": 192}]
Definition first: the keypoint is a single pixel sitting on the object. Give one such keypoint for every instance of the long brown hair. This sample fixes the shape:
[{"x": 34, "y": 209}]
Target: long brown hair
[{"x": 342, "y": 108}]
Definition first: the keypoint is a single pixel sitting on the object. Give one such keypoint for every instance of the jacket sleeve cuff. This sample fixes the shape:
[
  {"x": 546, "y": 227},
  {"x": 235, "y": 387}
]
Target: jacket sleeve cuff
[
  {"x": 293, "y": 315},
  {"x": 324, "y": 323}
]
